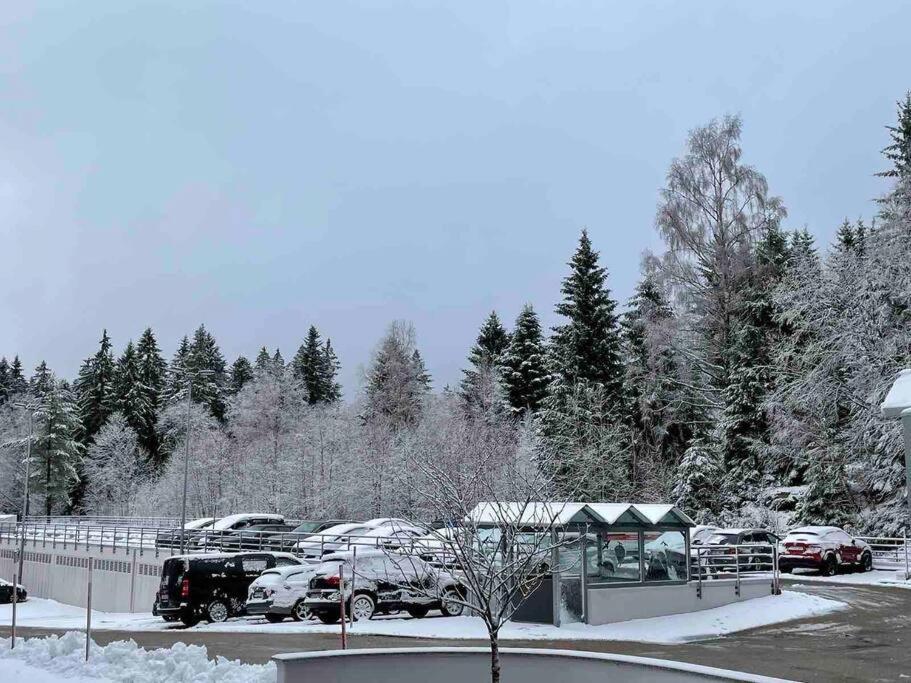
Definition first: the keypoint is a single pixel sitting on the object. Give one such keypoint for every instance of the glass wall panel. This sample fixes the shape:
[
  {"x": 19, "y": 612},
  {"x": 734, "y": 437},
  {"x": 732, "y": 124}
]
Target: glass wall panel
[
  {"x": 665, "y": 556},
  {"x": 615, "y": 557}
]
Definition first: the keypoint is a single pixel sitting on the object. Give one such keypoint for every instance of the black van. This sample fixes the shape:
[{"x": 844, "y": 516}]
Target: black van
[{"x": 212, "y": 586}]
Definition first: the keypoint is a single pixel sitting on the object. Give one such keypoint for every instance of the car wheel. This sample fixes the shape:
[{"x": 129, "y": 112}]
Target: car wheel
[
  {"x": 451, "y": 605},
  {"x": 274, "y": 618},
  {"x": 362, "y": 607},
  {"x": 418, "y": 611},
  {"x": 829, "y": 565},
  {"x": 786, "y": 570},
  {"x": 328, "y": 617},
  {"x": 189, "y": 619},
  {"x": 866, "y": 562},
  {"x": 217, "y": 612},
  {"x": 300, "y": 612}
]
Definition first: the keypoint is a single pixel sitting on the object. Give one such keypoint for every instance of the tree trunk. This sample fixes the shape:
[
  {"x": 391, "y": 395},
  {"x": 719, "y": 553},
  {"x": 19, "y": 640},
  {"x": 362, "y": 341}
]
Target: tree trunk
[{"x": 494, "y": 659}]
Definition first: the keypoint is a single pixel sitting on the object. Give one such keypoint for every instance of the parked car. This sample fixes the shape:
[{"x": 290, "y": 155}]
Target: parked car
[
  {"x": 289, "y": 596},
  {"x": 391, "y": 536},
  {"x": 170, "y": 538},
  {"x": 755, "y": 551},
  {"x": 826, "y": 548},
  {"x": 261, "y": 593},
  {"x": 210, "y": 536},
  {"x": 387, "y": 521},
  {"x": 665, "y": 557},
  {"x": 211, "y": 586},
  {"x": 286, "y": 540},
  {"x": 330, "y": 540},
  {"x": 383, "y": 582},
  {"x": 6, "y": 592},
  {"x": 250, "y": 538},
  {"x": 700, "y": 534}
]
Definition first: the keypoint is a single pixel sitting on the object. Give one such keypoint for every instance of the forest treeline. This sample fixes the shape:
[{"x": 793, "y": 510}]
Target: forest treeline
[{"x": 742, "y": 381}]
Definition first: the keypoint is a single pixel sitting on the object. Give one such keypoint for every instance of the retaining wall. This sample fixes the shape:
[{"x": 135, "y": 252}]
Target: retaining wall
[
  {"x": 608, "y": 605},
  {"x": 462, "y": 664},
  {"x": 124, "y": 581}
]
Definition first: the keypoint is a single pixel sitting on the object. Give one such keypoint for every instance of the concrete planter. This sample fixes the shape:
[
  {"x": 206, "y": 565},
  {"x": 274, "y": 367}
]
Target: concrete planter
[{"x": 472, "y": 664}]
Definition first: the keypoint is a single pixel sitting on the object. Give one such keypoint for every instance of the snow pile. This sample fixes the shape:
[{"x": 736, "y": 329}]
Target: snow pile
[{"x": 124, "y": 661}]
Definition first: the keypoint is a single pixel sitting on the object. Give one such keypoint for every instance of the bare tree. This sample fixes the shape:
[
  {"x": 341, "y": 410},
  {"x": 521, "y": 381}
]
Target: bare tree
[{"x": 502, "y": 535}]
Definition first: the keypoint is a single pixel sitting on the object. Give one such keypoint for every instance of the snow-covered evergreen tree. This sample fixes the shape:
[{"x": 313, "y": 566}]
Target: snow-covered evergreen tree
[
  {"x": 699, "y": 481},
  {"x": 316, "y": 366},
  {"x": 241, "y": 373},
  {"x": 5, "y": 381},
  {"x": 42, "y": 380},
  {"x": 330, "y": 369},
  {"x": 524, "y": 364},
  {"x": 57, "y": 451},
  {"x": 95, "y": 389},
  {"x": 480, "y": 389},
  {"x": 131, "y": 394},
  {"x": 152, "y": 372},
  {"x": 396, "y": 382},
  {"x": 17, "y": 382},
  {"x": 899, "y": 150}
]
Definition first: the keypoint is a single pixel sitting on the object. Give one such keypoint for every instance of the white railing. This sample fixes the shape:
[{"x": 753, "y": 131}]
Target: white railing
[
  {"x": 890, "y": 553},
  {"x": 734, "y": 562}
]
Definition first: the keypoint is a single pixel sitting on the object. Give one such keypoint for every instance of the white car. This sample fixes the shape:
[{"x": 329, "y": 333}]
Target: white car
[
  {"x": 261, "y": 593},
  {"x": 390, "y": 537},
  {"x": 209, "y": 535},
  {"x": 387, "y": 521},
  {"x": 287, "y": 599},
  {"x": 330, "y": 540}
]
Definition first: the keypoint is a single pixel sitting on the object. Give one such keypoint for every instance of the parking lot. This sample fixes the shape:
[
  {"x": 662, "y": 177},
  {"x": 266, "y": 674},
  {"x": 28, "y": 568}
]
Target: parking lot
[{"x": 867, "y": 642}]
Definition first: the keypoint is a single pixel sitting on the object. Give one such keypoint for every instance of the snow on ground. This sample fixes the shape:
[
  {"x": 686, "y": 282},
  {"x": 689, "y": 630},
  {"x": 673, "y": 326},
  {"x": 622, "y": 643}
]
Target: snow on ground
[
  {"x": 56, "y": 659},
  {"x": 877, "y": 577},
  {"x": 705, "y": 624}
]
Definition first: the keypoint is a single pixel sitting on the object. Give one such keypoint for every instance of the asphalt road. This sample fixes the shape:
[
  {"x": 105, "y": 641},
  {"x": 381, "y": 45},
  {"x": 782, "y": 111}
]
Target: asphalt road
[{"x": 870, "y": 641}]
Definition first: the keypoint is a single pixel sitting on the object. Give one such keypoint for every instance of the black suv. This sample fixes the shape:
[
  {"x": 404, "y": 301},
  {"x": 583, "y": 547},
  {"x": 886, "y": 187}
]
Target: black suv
[
  {"x": 383, "y": 582},
  {"x": 211, "y": 587}
]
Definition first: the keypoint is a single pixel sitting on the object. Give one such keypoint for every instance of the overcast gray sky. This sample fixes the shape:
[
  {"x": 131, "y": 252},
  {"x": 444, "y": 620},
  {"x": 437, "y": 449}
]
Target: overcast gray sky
[{"x": 261, "y": 166}]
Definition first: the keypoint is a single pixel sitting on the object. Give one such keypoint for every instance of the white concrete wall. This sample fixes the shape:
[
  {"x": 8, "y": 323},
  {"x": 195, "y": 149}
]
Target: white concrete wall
[
  {"x": 123, "y": 581},
  {"x": 464, "y": 664},
  {"x": 619, "y": 603}
]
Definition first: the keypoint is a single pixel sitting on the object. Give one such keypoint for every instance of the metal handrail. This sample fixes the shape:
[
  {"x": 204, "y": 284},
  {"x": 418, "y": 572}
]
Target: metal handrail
[{"x": 713, "y": 561}]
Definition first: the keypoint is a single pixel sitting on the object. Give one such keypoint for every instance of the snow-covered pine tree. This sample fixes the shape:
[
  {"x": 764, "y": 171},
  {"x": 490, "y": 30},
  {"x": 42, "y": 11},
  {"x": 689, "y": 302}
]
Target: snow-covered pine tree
[
  {"x": 57, "y": 451},
  {"x": 524, "y": 364},
  {"x": 205, "y": 356},
  {"x": 480, "y": 387},
  {"x": 263, "y": 361},
  {"x": 329, "y": 368},
  {"x": 899, "y": 150},
  {"x": 396, "y": 380},
  {"x": 699, "y": 481},
  {"x": 95, "y": 389},
  {"x": 131, "y": 397},
  {"x": 584, "y": 436},
  {"x": 278, "y": 362},
  {"x": 5, "y": 382},
  {"x": 241, "y": 373},
  {"x": 174, "y": 383},
  {"x": 659, "y": 424},
  {"x": 743, "y": 423},
  {"x": 587, "y": 346},
  {"x": 152, "y": 372},
  {"x": 17, "y": 382},
  {"x": 314, "y": 365},
  {"x": 42, "y": 381}
]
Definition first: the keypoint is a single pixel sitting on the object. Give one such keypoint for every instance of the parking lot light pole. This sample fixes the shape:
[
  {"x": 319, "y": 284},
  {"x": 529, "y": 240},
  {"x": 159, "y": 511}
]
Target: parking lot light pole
[
  {"x": 186, "y": 457},
  {"x": 30, "y": 407}
]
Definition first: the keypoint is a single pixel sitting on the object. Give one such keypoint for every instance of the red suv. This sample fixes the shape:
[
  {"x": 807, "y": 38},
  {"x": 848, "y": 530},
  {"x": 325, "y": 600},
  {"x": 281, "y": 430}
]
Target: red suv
[{"x": 826, "y": 548}]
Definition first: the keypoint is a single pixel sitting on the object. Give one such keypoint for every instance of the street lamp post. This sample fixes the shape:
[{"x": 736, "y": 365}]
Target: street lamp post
[
  {"x": 186, "y": 456},
  {"x": 25, "y": 492}
]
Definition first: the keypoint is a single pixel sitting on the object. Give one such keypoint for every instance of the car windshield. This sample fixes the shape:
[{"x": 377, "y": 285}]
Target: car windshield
[
  {"x": 723, "y": 539},
  {"x": 703, "y": 535}
]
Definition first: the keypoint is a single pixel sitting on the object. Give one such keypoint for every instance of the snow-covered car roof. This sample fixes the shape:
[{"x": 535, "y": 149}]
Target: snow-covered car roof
[
  {"x": 231, "y": 520},
  {"x": 218, "y": 556},
  {"x": 387, "y": 521},
  {"x": 290, "y": 569},
  {"x": 813, "y": 530},
  {"x": 198, "y": 523},
  {"x": 330, "y": 534},
  {"x": 345, "y": 555},
  {"x": 390, "y": 531}
]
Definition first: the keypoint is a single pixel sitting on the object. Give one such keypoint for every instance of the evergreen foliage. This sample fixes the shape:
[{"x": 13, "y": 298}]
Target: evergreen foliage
[
  {"x": 524, "y": 364},
  {"x": 56, "y": 452},
  {"x": 899, "y": 150},
  {"x": 95, "y": 389},
  {"x": 241, "y": 373},
  {"x": 480, "y": 389}
]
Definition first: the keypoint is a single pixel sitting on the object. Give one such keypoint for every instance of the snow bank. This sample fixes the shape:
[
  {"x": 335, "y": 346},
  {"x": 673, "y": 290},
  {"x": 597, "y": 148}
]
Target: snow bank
[
  {"x": 124, "y": 661},
  {"x": 877, "y": 577}
]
